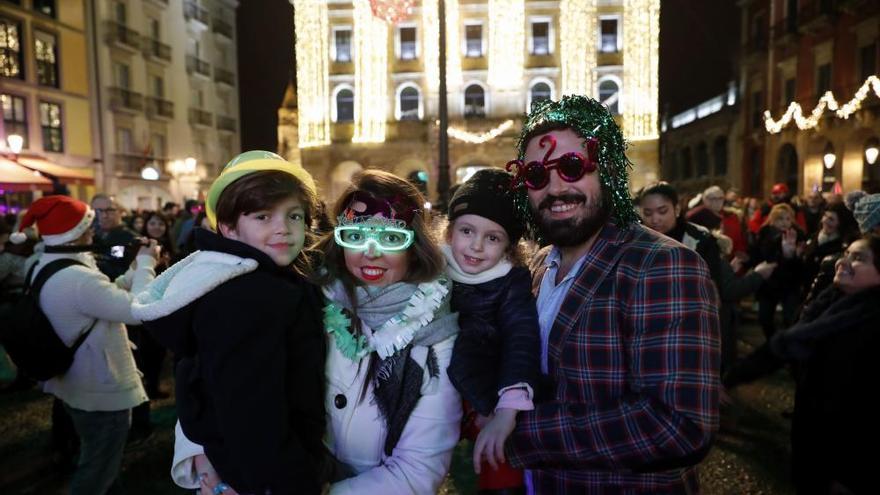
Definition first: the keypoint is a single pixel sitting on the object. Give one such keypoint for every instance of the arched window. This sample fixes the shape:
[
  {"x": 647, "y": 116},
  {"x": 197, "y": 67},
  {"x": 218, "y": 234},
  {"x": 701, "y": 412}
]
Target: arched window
[
  {"x": 474, "y": 101},
  {"x": 408, "y": 102},
  {"x": 609, "y": 95},
  {"x": 345, "y": 105},
  {"x": 687, "y": 168},
  {"x": 702, "y": 160},
  {"x": 541, "y": 91},
  {"x": 719, "y": 153}
]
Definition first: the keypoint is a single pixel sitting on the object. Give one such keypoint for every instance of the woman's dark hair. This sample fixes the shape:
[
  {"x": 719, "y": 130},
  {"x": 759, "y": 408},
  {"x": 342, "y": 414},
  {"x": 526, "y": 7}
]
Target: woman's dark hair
[
  {"x": 664, "y": 189},
  {"x": 873, "y": 241},
  {"x": 165, "y": 241},
  {"x": 261, "y": 191}
]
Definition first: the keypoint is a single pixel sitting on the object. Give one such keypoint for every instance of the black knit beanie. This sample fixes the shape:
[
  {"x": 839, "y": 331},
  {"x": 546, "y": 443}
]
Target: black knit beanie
[{"x": 487, "y": 194}]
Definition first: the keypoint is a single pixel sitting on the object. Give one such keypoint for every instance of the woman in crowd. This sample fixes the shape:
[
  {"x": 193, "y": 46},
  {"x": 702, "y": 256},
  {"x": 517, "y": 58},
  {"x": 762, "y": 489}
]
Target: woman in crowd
[
  {"x": 835, "y": 345},
  {"x": 778, "y": 242},
  {"x": 837, "y": 229}
]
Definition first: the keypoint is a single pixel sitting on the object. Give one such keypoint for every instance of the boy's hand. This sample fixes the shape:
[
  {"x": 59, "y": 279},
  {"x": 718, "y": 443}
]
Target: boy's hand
[
  {"x": 490, "y": 441},
  {"x": 208, "y": 477}
]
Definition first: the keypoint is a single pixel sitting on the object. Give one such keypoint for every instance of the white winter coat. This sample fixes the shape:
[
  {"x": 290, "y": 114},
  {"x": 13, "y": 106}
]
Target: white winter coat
[
  {"x": 103, "y": 376},
  {"x": 356, "y": 435}
]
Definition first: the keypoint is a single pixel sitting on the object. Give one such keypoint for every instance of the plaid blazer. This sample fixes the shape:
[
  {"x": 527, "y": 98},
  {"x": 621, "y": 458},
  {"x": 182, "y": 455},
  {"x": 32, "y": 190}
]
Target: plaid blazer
[{"x": 633, "y": 368}]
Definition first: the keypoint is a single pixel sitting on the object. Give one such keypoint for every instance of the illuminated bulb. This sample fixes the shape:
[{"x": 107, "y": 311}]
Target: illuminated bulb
[
  {"x": 16, "y": 142},
  {"x": 871, "y": 155},
  {"x": 149, "y": 173},
  {"x": 829, "y": 159}
]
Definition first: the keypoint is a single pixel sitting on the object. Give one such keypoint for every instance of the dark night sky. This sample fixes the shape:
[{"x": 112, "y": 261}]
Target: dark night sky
[{"x": 698, "y": 46}]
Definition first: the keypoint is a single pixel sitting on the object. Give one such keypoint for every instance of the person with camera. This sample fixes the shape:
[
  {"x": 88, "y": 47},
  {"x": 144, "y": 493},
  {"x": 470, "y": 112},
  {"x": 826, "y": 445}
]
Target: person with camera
[
  {"x": 102, "y": 385},
  {"x": 111, "y": 231}
]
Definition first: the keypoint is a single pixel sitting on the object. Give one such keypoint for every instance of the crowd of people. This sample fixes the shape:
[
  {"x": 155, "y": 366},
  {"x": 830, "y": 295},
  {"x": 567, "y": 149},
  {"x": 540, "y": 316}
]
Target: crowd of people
[{"x": 581, "y": 337}]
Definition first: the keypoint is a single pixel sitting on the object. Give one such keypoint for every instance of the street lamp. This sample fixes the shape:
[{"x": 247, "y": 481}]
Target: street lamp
[
  {"x": 149, "y": 172},
  {"x": 871, "y": 151},
  {"x": 15, "y": 142},
  {"x": 829, "y": 157}
]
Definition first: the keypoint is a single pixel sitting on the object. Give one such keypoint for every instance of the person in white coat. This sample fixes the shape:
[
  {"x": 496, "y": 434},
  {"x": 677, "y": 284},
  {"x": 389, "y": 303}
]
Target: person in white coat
[
  {"x": 393, "y": 416},
  {"x": 103, "y": 384}
]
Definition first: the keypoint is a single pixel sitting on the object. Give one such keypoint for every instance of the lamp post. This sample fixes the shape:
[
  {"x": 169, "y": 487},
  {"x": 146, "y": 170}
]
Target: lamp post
[
  {"x": 443, "y": 141},
  {"x": 871, "y": 151},
  {"x": 828, "y": 158}
]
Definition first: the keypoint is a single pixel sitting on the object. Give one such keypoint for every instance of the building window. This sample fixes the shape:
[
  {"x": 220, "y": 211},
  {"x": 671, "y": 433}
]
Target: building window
[
  {"x": 789, "y": 92},
  {"x": 823, "y": 79},
  {"x": 540, "y": 38},
  {"x": 474, "y": 101},
  {"x": 10, "y": 49},
  {"x": 342, "y": 45},
  {"x": 409, "y": 103},
  {"x": 757, "y": 109},
  {"x": 609, "y": 41},
  {"x": 473, "y": 36},
  {"x": 124, "y": 142},
  {"x": 345, "y": 105},
  {"x": 539, "y": 91},
  {"x": 408, "y": 45},
  {"x": 50, "y": 122},
  {"x": 123, "y": 76},
  {"x": 158, "y": 86},
  {"x": 609, "y": 95},
  {"x": 45, "y": 7},
  {"x": 46, "y": 51},
  {"x": 121, "y": 13},
  {"x": 758, "y": 36},
  {"x": 702, "y": 160},
  {"x": 867, "y": 61},
  {"x": 15, "y": 116},
  {"x": 687, "y": 168},
  {"x": 719, "y": 152}
]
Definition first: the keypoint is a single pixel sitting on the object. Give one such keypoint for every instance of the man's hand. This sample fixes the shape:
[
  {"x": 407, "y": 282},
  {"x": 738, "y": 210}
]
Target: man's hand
[
  {"x": 789, "y": 243},
  {"x": 151, "y": 249},
  {"x": 765, "y": 269},
  {"x": 490, "y": 441}
]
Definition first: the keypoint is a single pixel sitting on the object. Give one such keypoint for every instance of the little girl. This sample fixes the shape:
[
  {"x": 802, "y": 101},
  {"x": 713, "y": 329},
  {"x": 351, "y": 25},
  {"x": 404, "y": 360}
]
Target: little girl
[
  {"x": 247, "y": 327},
  {"x": 495, "y": 361}
]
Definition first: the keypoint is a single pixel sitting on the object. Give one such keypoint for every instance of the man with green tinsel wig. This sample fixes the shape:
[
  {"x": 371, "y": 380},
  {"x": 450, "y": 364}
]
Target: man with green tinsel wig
[{"x": 628, "y": 320}]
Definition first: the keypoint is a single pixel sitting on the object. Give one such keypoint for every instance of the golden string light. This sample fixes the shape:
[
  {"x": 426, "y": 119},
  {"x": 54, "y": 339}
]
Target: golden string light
[
  {"x": 312, "y": 72},
  {"x": 577, "y": 46},
  {"x": 432, "y": 49},
  {"x": 641, "y": 30},
  {"x": 507, "y": 20},
  {"x": 472, "y": 138},
  {"x": 370, "y": 75},
  {"x": 826, "y": 102}
]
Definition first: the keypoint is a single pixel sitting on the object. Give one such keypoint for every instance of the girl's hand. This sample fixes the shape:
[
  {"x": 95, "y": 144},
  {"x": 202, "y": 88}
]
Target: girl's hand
[
  {"x": 789, "y": 243},
  {"x": 490, "y": 441},
  {"x": 208, "y": 477}
]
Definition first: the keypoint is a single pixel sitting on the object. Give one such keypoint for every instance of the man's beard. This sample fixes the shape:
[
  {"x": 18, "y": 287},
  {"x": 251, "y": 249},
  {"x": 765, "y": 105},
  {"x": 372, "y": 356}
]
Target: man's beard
[{"x": 576, "y": 230}]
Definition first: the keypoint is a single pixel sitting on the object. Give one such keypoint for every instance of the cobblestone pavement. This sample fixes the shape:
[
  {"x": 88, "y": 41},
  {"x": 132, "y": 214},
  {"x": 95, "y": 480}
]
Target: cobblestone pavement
[{"x": 750, "y": 455}]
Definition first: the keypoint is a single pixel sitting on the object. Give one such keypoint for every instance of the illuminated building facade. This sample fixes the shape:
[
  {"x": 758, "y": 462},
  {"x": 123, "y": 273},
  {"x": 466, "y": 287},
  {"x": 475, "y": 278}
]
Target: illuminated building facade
[
  {"x": 367, "y": 90},
  {"x": 810, "y": 95}
]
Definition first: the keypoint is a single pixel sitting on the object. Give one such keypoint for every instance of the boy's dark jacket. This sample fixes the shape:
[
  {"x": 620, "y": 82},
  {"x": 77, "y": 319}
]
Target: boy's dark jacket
[
  {"x": 499, "y": 343},
  {"x": 250, "y": 381}
]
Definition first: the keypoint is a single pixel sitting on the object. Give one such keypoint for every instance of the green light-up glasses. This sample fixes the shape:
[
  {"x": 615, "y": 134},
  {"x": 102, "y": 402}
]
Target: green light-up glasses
[{"x": 383, "y": 237}]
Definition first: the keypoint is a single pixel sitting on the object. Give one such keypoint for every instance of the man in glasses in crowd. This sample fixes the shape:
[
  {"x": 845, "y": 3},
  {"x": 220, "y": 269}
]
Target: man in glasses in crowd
[
  {"x": 111, "y": 231},
  {"x": 628, "y": 321}
]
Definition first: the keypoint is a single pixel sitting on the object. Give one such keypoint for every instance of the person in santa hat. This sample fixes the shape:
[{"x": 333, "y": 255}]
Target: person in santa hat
[{"x": 102, "y": 385}]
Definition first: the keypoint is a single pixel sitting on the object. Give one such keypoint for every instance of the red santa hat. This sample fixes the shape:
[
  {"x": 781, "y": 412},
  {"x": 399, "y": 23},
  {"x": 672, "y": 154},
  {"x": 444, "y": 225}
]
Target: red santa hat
[{"x": 60, "y": 219}]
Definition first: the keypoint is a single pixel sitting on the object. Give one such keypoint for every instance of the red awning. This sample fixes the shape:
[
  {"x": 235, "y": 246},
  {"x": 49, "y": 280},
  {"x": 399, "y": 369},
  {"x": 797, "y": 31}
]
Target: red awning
[
  {"x": 14, "y": 177},
  {"x": 65, "y": 174}
]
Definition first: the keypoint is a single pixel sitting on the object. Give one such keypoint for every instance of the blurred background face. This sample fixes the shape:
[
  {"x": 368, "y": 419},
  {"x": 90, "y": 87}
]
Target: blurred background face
[
  {"x": 714, "y": 201},
  {"x": 137, "y": 224},
  {"x": 856, "y": 270},
  {"x": 109, "y": 214},
  {"x": 814, "y": 200},
  {"x": 830, "y": 223},
  {"x": 783, "y": 221},
  {"x": 156, "y": 228},
  {"x": 658, "y": 212}
]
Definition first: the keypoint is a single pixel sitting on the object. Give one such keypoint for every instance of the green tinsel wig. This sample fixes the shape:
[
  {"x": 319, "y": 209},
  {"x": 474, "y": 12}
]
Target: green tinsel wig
[{"x": 588, "y": 118}]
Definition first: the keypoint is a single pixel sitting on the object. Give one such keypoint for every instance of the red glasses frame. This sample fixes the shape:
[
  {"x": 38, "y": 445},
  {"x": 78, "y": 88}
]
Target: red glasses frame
[{"x": 536, "y": 174}]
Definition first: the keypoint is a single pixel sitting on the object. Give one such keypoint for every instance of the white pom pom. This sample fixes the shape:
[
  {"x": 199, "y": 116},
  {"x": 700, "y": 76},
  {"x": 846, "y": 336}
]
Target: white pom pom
[{"x": 17, "y": 237}]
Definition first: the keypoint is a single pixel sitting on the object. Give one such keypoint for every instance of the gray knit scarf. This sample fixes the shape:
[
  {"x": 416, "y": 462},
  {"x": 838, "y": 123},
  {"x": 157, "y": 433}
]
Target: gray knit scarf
[{"x": 398, "y": 380}]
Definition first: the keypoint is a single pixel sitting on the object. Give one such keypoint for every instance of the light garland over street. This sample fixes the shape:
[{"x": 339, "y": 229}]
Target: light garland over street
[{"x": 826, "y": 102}]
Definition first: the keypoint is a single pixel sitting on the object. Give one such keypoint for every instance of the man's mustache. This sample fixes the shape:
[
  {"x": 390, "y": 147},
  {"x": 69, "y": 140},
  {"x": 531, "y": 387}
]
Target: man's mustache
[{"x": 565, "y": 198}]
